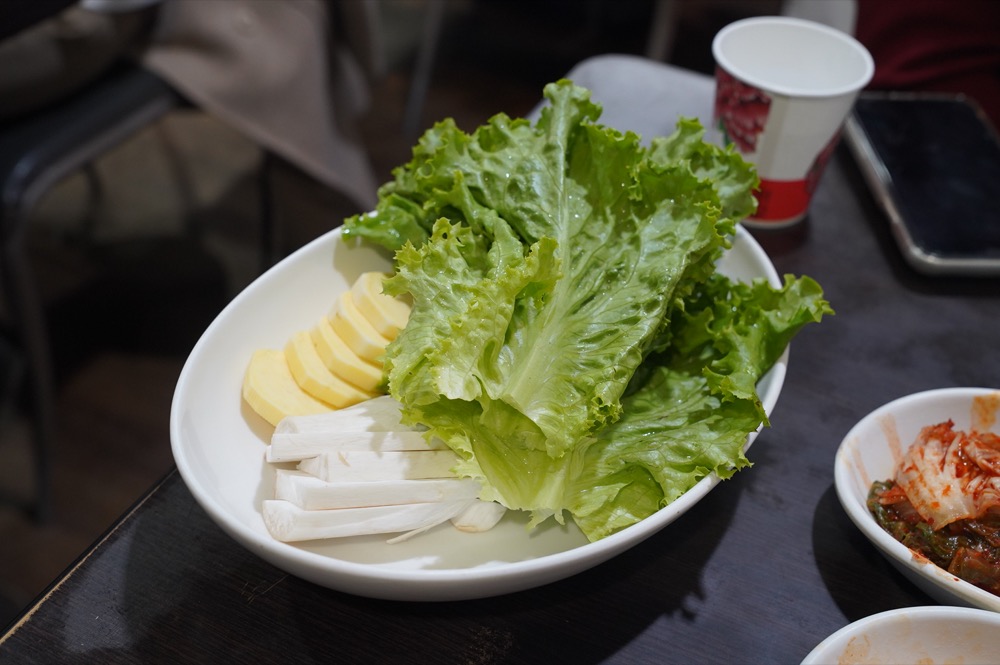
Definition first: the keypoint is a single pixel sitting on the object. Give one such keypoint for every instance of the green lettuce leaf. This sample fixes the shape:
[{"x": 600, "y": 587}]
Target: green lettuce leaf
[
  {"x": 695, "y": 403},
  {"x": 563, "y": 284}
]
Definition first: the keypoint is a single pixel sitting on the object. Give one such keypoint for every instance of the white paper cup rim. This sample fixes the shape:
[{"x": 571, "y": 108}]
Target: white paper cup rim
[{"x": 851, "y": 48}]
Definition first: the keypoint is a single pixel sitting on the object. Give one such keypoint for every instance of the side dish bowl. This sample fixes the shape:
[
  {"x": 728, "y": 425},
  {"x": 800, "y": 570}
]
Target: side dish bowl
[
  {"x": 914, "y": 635},
  {"x": 872, "y": 450},
  {"x": 219, "y": 444}
]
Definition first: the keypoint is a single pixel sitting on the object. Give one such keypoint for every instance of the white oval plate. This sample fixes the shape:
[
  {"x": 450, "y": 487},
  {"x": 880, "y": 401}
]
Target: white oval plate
[
  {"x": 914, "y": 635},
  {"x": 872, "y": 450},
  {"x": 218, "y": 445}
]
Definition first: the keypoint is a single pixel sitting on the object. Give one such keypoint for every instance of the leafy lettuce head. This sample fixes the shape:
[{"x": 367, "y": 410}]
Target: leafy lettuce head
[{"x": 550, "y": 265}]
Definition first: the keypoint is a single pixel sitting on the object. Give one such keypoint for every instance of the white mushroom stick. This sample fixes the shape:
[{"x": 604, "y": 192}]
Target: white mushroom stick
[
  {"x": 379, "y": 414},
  {"x": 296, "y": 446},
  {"x": 479, "y": 516},
  {"x": 289, "y": 523},
  {"x": 311, "y": 493},
  {"x": 363, "y": 465}
]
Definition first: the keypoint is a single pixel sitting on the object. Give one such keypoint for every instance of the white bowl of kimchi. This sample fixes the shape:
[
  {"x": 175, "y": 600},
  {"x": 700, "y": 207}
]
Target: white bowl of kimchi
[{"x": 940, "y": 449}]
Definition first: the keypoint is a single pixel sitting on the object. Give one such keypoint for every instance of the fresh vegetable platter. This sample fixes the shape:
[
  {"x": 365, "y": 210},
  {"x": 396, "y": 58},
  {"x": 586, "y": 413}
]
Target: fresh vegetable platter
[{"x": 584, "y": 260}]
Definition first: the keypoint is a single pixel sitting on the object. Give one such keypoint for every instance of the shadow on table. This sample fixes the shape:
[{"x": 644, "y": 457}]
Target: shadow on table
[
  {"x": 848, "y": 561},
  {"x": 780, "y": 241},
  {"x": 584, "y": 619},
  {"x": 170, "y": 586}
]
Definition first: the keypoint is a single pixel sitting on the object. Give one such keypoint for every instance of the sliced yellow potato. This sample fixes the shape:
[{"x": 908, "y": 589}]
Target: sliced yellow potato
[
  {"x": 343, "y": 362},
  {"x": 271, "y": 391},
  {"x": 336, "y": 364},
  {"x": 388, "y": 315},
  {"x": 356, "y": 331},
  {"x": 312, "y": 375}
]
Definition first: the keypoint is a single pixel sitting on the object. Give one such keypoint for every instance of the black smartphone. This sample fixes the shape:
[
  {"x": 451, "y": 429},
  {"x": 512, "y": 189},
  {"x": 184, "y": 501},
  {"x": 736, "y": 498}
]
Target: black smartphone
[{"x": 933, "y": 163}]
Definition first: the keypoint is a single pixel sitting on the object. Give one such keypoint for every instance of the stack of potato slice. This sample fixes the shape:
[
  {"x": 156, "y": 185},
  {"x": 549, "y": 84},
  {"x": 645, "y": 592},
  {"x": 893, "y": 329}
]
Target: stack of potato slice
[{"x": 335, "y": 364}]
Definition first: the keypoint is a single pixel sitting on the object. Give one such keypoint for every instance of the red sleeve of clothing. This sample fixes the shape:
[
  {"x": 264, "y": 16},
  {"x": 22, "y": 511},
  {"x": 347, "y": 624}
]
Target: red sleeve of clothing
[{"x": 935, "y": 46}]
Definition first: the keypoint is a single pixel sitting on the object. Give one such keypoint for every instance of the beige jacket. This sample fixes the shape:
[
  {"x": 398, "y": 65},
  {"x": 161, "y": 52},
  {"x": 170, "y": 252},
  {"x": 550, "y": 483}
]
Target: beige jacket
[{"x": 292, "y": 75}]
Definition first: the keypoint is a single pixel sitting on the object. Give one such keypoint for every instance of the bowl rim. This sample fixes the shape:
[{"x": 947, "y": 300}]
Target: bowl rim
[
  {"x": 964, "y": 593},
  {"x": 935, "y": 613}
]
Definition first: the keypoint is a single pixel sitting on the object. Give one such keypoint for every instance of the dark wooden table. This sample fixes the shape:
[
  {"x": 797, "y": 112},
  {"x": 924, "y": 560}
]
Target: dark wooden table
[{"x": 760, "y": 571}]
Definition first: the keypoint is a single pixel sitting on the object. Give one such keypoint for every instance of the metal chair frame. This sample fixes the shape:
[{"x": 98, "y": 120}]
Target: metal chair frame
[{"x": 35, "y": 153}]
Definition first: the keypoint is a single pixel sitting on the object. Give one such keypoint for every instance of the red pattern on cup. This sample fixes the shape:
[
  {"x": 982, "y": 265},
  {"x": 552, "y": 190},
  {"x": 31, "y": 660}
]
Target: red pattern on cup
[
  {"x": 784, "y": 200},
  {"x": 781, "y": 200},
  {"x": 740, "y": 111}
]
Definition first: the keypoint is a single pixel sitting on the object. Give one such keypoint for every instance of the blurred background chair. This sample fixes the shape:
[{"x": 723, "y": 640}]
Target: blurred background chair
[
  {"x": 36, "y": 152},
  {"x": 290, "y": 76},
  {"x": 67, "y": 100}
]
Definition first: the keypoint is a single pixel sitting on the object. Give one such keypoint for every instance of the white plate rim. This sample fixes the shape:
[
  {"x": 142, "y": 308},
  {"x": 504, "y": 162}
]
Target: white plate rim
[{"x": 441, "y": 584}]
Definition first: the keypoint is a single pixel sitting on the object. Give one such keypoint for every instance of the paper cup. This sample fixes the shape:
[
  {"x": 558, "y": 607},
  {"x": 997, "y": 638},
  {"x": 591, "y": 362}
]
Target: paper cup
[{"x": 784, "y": 87}]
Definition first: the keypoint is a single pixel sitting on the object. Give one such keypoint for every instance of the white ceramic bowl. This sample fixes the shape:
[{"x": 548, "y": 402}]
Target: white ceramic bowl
[
  {"x": 219, "y": 446},
  {"x": 872, "y": 450},
  {"x": 914, "y": 635}
]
